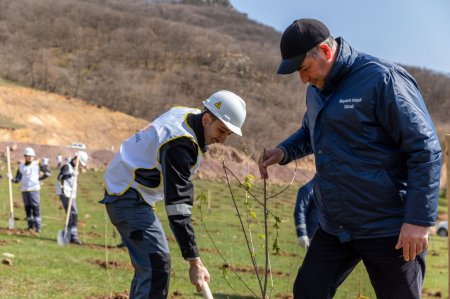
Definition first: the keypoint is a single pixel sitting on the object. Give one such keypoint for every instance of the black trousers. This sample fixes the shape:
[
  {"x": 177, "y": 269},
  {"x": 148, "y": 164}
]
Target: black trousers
[{"x": 328, "y": 262}]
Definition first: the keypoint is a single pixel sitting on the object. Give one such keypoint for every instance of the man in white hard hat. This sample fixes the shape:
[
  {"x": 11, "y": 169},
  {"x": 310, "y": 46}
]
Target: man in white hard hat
[
  {"x": 29, "y": 174},
  {"x": 67, "y": 187},
  {"x": 155, "y": 164}
]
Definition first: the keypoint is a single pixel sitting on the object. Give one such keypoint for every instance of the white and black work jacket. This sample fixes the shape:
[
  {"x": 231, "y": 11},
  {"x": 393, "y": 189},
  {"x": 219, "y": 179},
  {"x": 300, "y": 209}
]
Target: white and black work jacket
[
  {"x": 66, "y": 184},
  {"x": 159, "y": 162},
  {"x": 29, "y": 174}
]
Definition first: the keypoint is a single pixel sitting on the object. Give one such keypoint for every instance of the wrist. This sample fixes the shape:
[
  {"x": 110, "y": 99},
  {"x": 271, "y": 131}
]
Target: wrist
[
  {"x": 284, "y": 159},
  {"x": 195, "y": 262}
]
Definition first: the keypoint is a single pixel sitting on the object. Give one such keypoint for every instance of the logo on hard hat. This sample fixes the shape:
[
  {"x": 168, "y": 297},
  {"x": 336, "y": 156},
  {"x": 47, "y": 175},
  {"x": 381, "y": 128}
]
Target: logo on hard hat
[{"x": 218, "y": 104}]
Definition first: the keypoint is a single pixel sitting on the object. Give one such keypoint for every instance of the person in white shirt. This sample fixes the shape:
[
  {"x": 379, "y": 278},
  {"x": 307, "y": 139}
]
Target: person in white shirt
[
  {"x": 29, "y": 174},
  {"x": 66, "y": 187},
  {"x": 157, "y": 164}
]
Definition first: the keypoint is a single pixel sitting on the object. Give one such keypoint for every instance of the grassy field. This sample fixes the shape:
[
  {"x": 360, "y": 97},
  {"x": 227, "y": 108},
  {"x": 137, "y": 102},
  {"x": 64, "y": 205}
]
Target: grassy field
[{"x": 42, "y": 269}]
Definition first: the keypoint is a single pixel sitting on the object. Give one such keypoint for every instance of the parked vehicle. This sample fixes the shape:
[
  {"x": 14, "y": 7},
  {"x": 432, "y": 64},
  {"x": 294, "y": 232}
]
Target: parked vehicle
[
  {"x": 80, "y": 146},
  {"x": 442, "y": 228}
]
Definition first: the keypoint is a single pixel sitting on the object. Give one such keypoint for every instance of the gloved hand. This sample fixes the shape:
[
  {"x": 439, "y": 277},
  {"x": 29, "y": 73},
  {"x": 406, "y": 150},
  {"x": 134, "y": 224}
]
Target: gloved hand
[
  {"x": 10, "y": 176},
  {"x": 304, "y": 241}
]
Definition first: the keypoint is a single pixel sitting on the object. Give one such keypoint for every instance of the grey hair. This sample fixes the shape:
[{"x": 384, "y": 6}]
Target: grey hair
[{"x": 314, "y": 52}]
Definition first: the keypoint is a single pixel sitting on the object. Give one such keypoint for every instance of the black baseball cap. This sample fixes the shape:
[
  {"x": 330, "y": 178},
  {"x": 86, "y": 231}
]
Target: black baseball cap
[{"x": 300, "y": 37}]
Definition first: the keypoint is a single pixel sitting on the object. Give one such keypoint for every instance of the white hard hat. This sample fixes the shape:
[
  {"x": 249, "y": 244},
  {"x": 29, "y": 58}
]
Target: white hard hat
[
  {"x": 83, "y": 156},
  {"x": 29, "y": 152},
  {"x": 229, "y": 108}
]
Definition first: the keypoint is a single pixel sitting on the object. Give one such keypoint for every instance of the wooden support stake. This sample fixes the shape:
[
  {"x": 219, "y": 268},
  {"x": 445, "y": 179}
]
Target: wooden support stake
[
  {"x": 209, "y": 201},
  {"x": 11, "y": 200},
  {"x": 447, "y": 141}
]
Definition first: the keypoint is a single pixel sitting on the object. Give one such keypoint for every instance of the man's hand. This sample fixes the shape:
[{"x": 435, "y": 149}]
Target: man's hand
[
  {"x": 272, "y": 156},
  {"x": 198, "y": 274},
  {"x": 413, "y": 239},
  {"x": 10, "y": 176},
  {"x": 303, "y": 241}
]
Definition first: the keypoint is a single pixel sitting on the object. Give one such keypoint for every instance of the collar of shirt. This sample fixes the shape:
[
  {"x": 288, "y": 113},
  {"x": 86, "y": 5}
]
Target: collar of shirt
[
  {"x": 195, "y": 122},
  {"x": 341, "y": 67}
]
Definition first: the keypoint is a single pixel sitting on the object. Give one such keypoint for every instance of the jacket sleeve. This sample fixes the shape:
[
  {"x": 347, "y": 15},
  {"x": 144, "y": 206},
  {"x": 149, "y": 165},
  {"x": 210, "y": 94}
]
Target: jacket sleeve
[
  {"x": 402, "y": 113},
  {"x": 177, "y": 157},
  {"x": 304, "y": 197},
  {"x": 18, "y": 177},
  {"x": 45, "y": 171},
  {"x": 298, "y": 144},
  {"x": 64, "y": 174}
]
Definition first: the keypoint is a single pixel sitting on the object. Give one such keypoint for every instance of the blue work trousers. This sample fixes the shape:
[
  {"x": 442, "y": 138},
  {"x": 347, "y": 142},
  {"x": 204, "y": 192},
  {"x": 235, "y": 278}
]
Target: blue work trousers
[
  {"x": 328, "y": 262},
  {"x": 144, "y": 237},
  {"x": 32, "y": 203}
]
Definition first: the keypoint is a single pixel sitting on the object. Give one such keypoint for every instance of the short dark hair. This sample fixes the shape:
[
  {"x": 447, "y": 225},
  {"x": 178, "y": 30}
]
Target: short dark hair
[{"x": 206, "y": 110}]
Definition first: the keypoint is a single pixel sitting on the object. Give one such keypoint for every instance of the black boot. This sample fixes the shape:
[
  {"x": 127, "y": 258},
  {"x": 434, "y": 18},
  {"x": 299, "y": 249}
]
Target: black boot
[{"x": 75, "y": 241}]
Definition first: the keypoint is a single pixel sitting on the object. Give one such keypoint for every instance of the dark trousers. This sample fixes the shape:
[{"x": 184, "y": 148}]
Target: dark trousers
[
  {"x": 32, "y": 202},
  {"x": 73, "y": 217},
  {"x": 328, "y": 262},
  {"x": 144, "y": 237}
]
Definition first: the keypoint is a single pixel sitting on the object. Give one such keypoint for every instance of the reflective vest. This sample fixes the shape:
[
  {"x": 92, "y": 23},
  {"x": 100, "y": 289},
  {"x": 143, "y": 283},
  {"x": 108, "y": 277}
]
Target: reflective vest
[
  {"x": 30, "y": 176},
  {"x": 141, "y": 151},
  {"x": 67, "y": 187}
]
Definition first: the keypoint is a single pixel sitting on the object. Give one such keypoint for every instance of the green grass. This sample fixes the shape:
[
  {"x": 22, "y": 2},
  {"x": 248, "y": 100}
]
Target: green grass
[
  {"x": 42, "y": 269},
  {"x": 7, "y": 123},
  {"x": 442, "y": 205}
]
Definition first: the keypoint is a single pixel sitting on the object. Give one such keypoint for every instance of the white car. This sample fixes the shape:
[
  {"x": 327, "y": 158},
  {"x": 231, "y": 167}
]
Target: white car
[
  {"x": 80, "y": 146},
  {"x": 442, "y": 228}
]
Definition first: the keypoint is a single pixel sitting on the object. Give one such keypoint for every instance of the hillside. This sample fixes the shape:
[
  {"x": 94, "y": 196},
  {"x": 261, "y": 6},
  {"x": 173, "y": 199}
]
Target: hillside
[
  {"x": 49, "y": 122},
  {"x": 142, "y": 57},
  {"x": 47, "y": 118}
]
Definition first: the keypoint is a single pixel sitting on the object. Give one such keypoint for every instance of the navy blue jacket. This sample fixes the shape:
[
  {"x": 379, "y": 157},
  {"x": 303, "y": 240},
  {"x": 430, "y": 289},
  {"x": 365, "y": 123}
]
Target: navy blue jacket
[
  {"x": 377, "y": 154},
  {"x": 305, "y": 212}
]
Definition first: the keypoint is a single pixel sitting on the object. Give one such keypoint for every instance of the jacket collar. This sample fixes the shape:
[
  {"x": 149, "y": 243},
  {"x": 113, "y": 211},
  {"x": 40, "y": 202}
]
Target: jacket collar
[
  {"x": 195, "y": 122},
  {"x": 342, "y": 65}
]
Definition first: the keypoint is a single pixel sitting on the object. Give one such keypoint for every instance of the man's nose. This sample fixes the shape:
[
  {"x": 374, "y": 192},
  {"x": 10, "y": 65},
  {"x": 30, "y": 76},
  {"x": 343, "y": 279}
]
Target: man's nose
[{"x": 222, "y": 138}]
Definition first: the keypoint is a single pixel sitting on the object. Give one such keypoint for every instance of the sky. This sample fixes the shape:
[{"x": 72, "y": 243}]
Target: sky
[{"x": 409, "y": 32}]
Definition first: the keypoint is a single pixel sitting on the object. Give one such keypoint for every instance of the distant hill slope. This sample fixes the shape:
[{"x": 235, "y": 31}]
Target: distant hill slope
[
  {"x": 49, "y": 122},
  {"x": 142, "y": 57},
  {"x": 47, "y": 118}
]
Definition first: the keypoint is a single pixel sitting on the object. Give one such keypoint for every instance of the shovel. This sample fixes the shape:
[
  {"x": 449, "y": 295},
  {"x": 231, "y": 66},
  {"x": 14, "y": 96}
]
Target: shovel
[
  {"x": 63, "y": 236},
  {"x": 11, "y": 205},
  {"x": 206, "y": 291}
]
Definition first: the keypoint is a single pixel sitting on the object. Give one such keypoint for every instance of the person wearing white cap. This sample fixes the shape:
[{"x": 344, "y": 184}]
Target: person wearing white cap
[
  {"x": 29, "y": 174},
  {"x": 155, "y": 164},
  {"x": 66, "y": 187}
]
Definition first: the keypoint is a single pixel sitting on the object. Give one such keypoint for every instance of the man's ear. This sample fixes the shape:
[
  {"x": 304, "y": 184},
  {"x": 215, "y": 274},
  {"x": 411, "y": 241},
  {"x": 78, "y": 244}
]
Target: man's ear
[
  {"x": 206, "y": 119},
  {"x": 326, "y": 50}
]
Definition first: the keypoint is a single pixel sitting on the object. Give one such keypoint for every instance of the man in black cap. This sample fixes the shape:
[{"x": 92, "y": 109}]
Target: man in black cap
[{"x": 378, "y": 162}]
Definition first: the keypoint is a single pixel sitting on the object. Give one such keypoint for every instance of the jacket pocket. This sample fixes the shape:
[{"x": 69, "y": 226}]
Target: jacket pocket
[{"x": 390, "y": 186}]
